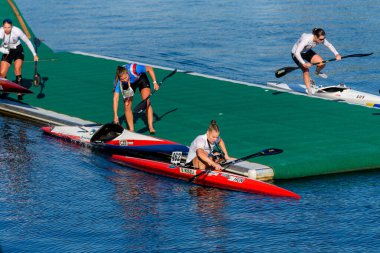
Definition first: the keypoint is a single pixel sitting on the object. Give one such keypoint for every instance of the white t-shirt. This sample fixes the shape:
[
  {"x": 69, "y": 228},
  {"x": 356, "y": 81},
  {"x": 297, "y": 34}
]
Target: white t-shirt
[
  {"x": 200, "y": 142},
  {"x": 305, "y": 43},
  {"x": 12, "y": 40}
]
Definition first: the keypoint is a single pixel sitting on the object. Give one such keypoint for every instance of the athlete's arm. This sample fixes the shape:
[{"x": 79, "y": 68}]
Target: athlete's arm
[
  {"x": 332, "y": 49},
  {"x": 150, "y": 70}
]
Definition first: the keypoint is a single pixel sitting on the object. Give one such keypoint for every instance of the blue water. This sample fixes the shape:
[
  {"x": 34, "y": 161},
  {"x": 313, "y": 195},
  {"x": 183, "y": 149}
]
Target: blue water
[{"x": 56, "y": 197}]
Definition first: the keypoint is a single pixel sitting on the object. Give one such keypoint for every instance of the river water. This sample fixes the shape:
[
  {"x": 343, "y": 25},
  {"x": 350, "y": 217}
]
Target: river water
[{"x": 57, "y": 197}]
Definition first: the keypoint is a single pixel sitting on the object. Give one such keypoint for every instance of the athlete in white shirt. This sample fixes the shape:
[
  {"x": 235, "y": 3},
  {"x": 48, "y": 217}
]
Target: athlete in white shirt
[
  {"x": 12, "y": 49},
  {"x": 200, "y": 152},
  {"x": 305, "y": 57}
]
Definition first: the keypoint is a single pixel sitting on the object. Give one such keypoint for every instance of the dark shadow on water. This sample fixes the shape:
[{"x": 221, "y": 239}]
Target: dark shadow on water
[
  {"x": 278, "y": 93},
  {"x": 376, "y": 113}
]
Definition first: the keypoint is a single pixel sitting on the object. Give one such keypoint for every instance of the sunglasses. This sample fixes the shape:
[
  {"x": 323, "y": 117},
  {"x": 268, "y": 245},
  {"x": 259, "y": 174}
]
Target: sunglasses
[{"x": 321, "y": 39}]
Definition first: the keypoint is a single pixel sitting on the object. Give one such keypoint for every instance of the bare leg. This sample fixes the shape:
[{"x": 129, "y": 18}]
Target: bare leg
[
  {"x": 4, "y": 66},
  {"x": 198, "y": 163},
  {"x": 306, "y": 78},
  {"x": 18, "y": 67},
  {"x": 149, "y": 109},
  {"x": 129, "y": 113},
  {"x": 316, "y": 58}
]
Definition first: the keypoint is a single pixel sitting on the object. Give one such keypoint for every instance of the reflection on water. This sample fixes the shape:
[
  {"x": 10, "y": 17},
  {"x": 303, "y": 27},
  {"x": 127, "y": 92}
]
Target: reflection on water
[{"x": 15, "y": 175}]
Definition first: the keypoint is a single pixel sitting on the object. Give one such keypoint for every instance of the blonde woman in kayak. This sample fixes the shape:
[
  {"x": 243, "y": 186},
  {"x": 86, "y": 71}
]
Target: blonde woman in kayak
[
  {"x": 305, "y": 57},
  {"x": 201, "y": 149},
  {"x": 128, "y": 78},
  {"x": 12, "y": 49}
]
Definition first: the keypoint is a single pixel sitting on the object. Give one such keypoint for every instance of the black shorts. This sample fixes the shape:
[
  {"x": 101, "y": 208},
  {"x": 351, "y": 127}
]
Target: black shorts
[
  {"x": 306, "y": 56},
  {"x": 14, "y": 54},
  {"x": 141, "y": 83}
]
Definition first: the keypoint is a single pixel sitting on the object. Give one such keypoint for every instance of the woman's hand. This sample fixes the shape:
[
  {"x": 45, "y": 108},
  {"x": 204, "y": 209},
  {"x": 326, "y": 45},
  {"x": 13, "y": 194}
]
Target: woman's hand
[
  {"x": 156, "y": 86},
  {"x": 338, "y": 57},
  {"x": 217, "y": 166},
  {"x": 307, "y": 65},
  {"x": 116, "y": 119},
  {"x": 229, "y": 157},
  {"x": 36, "y": 58}
]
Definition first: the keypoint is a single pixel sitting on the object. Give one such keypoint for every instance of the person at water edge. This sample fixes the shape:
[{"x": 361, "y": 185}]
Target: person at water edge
[
  {"x": 12, "y": 49},
  {"x": 305, "y": 57},
  {"x": 128, "y": 78},
  {"x": 201, "y": 149}
]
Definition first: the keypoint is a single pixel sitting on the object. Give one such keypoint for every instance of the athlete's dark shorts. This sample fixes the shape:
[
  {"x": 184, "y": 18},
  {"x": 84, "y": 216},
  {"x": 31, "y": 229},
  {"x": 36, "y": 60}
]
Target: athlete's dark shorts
[
  {"x": 306, "y": 56},
  {"x": 14, "y": 54},
  {"x": 141, "y": 83}
]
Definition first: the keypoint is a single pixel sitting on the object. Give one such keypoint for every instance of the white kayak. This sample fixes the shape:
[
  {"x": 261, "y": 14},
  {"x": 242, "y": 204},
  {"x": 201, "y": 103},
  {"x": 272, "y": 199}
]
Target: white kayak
[
  {"x": 113, "y": 138},
  {"x": 334, "y": 92}
]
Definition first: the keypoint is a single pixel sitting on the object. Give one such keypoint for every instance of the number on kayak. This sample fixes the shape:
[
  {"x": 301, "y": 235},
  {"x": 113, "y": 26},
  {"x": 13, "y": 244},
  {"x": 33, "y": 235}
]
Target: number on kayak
[{"x": 176, "y": 157}]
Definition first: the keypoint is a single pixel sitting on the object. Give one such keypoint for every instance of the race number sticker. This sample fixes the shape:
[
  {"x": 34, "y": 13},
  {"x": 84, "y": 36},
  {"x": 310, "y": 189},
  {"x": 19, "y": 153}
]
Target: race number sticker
[
  {"x": 176, "y": 157},
  {"x": 188, "y": 171}
]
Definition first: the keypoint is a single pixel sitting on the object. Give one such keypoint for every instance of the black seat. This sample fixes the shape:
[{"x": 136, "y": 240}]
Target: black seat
[{"x": 107, "y": 132}]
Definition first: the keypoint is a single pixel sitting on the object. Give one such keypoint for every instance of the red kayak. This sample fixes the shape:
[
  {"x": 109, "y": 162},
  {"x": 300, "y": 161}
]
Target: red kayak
[
  {"x": 223, "y": 180},
  {"x": 7, "y": 86}
]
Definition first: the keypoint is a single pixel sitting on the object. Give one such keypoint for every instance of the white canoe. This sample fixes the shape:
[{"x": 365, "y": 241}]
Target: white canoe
[{"x": 334, "y": 92}]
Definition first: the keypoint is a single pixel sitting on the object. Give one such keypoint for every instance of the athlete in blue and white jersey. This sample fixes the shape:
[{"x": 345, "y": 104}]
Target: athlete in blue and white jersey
[
  {"x": 128, "y": 78},
  {"x": 305, "y": 57}
]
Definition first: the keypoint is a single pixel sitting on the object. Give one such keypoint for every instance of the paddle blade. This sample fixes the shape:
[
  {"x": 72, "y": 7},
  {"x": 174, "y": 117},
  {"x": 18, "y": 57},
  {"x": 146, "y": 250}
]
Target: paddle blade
[
  {"x": 36, "y": 80},
  {"x": 271, "y": 151},
  {"x": 283, "y": 71},
  {"x": 356, "y": 55}
]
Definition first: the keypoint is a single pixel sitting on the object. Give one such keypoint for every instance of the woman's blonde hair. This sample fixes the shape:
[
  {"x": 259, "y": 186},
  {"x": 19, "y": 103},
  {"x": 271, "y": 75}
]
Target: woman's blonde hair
[
  {"x": 213, "y": 126},
  {"x": 120, "y": 70}
]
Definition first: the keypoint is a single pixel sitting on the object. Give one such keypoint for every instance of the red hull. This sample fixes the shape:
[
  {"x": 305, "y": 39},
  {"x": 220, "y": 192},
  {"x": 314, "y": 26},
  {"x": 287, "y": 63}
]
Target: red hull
[
  {"x": 223, "y": 180},
  {"x": 7, "y": 86}
]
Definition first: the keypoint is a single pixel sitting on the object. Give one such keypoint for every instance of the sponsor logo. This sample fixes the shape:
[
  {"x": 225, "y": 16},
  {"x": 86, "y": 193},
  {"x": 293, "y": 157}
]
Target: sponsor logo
[
  {"x": 236, "y": 179},
  {"x": 188, "y": 171},
  {"x": 213, "y": 173},
  {"x": 123, "y": 143}
]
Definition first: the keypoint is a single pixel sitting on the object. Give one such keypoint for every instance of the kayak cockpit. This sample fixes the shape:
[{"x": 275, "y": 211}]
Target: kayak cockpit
[{"x": 107, "y": 133}]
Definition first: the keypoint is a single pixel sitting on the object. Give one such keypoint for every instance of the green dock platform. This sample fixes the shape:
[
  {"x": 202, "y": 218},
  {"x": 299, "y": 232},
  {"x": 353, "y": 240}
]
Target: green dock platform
[{"x": 318, "y": 136}]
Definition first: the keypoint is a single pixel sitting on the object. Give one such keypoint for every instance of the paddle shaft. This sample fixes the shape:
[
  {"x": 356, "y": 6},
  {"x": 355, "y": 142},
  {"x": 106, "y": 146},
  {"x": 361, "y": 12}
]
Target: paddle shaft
[
  {"x": 140, "y": 107},
  {"x": 283, "y": 71}
]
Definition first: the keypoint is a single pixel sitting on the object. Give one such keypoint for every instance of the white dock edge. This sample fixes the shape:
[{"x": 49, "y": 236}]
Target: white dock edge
[{"x": 37, "y": 114}]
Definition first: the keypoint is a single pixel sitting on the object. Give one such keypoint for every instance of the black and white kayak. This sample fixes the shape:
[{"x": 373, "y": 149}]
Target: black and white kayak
[
  {"x": 334, "y": 92},
  {"x": 114, "y": 138}
]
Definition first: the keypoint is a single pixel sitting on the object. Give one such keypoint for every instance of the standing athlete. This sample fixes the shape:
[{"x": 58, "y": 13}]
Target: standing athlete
[
  {"x": 12, "y": 49},
  {"x": 305, "y": 57},
  {"x": 128, "y": 78}
]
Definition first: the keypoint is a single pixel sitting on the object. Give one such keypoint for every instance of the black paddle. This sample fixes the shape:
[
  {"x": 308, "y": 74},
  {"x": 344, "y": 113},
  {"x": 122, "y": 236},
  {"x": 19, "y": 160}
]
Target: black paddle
[
  {"x": 283, "y": 71},
  {"x": 36, "y": 77},
  {"x": 265, "y": 152},
  {"x": 143, "y": 104}
]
